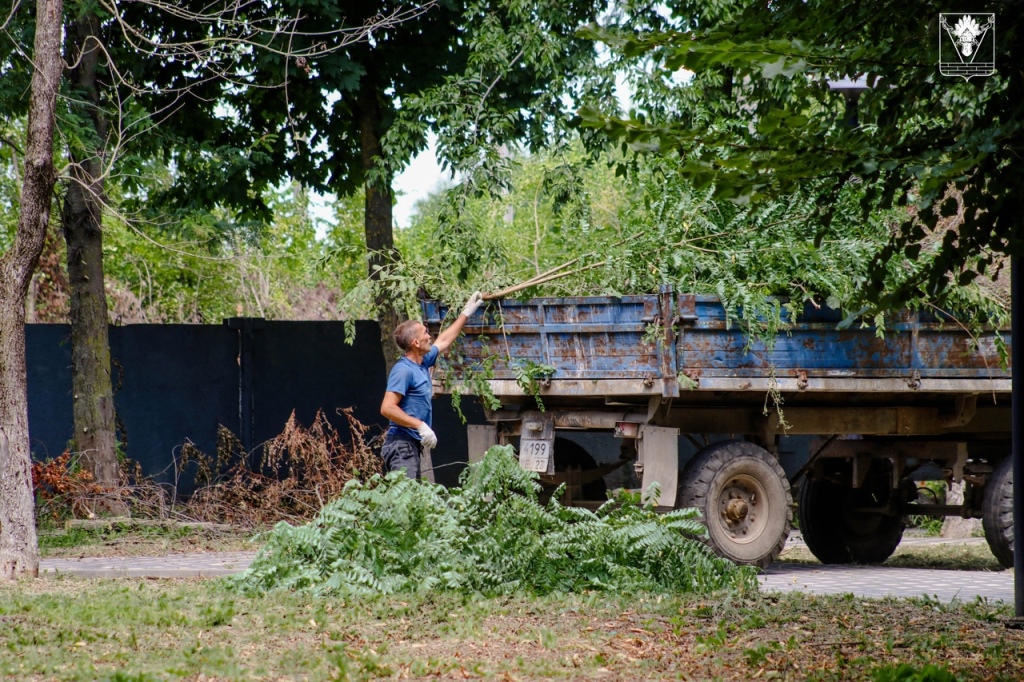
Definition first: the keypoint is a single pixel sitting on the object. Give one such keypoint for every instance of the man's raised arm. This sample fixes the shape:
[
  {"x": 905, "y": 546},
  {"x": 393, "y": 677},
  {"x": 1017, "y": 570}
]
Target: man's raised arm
[{"x": 447, "y": 337}]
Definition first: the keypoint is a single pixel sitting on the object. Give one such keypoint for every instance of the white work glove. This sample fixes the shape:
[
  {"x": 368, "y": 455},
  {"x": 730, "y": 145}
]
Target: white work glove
[
  {"x": 473, "y": 304},
  {"x": 427, "y": 436}
]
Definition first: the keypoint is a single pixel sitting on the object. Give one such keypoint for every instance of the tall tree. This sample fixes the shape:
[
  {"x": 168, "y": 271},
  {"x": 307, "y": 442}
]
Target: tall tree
[
  {"x": 486, "y": 71},
  {"x": 132, "y": 68},
  {"x": 774, "y": 117},
  {"x": 18, "y": 549},
  {"x": 82, "y": 220}
]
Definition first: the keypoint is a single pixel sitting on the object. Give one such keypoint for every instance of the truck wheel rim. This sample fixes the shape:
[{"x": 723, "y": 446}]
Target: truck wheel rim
[{"x": 743, "y": 509}]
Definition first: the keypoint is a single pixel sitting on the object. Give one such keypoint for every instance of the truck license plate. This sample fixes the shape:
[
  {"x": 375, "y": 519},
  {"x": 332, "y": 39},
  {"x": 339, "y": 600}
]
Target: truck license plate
[{"x": 534, "y": 455}]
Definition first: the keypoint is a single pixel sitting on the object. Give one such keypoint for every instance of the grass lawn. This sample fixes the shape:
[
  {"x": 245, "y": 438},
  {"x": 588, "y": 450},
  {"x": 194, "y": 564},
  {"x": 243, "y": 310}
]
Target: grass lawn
[
  {"x": 142, "y": 629},
  {"x": 136, "y": 629}
]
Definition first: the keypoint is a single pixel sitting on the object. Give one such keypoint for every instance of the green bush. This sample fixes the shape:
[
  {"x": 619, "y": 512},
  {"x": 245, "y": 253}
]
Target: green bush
[{"x": 491, "y": 536}]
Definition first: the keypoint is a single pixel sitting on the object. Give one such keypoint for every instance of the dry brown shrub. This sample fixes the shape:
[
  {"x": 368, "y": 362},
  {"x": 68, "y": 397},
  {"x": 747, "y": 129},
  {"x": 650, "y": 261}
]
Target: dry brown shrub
[
  {"x": 62, "y": 490},
  {"x": 65, "y": 491},
  {"x": 300, "y": 470}
]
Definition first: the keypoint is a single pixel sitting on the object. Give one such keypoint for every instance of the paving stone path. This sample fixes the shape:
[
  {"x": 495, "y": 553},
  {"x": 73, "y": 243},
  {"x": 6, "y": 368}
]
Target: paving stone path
[
  {"x": 885, "y": 581},
  {"x": 862, "y": 581}
]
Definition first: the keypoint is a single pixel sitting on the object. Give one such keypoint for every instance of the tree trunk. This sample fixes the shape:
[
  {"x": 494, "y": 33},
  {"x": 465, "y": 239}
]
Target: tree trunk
[
  {"x": 380, "y": 238},
  {"x": 94, "y": 437},
  {"x": 19, "y": 552},
  {"x": 954, "y": 526}
]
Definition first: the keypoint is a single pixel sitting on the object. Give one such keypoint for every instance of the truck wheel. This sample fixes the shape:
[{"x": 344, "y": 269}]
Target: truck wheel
[
  {"x": 835, "y": 526},
  {"x": 871, "y": 537},
  {"x": 820, "y": 518},
  {"x": 571, "y": 455},
  {"x": 744, "y": 496},
  {"x": 997, "y": 513}
]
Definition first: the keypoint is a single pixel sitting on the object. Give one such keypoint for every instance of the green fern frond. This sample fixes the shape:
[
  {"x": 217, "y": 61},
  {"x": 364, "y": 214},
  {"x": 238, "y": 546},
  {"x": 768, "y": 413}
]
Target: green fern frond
[{"x": 491, "y": 536}]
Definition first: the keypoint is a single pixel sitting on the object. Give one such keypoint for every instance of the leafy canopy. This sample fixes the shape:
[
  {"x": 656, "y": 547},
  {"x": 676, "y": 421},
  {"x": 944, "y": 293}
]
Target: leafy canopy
[
  {"x": 760, "y": 120},
  {"x": 630, "y": 235},
  {"x": 491, "y": 536},
  {"x": 479, "y": 73}
]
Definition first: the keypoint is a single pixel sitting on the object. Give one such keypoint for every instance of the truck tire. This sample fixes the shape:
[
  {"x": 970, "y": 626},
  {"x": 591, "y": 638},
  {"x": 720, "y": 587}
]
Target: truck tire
[
  {"x": 837, "y": 531},
  {"x": 870, "y": 537},
  {"x": 819, "y": 518},
  {"x": 997, "y": 513},
  {"x": 744, "y": 497}
]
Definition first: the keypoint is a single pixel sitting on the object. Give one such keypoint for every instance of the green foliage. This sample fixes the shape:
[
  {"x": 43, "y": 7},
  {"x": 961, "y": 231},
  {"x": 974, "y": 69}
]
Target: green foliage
[
  {"x": 655, "y": 228},
  {"x": 530, "y": 376},
  {"x": 931, "y": 525},
  {"x": 525, "y": 67},
  {"x": 758, "y": 656},
  {"x": 471, "y": 378},
  {"x": 51, "y": 538},
  {"x": 211, "y": 265},
  {"x": 905, "y": 672},
  {"x": 490, "y": 536},
  {"x": 480, "y": 74},
  {"x": 460, "y": 241},
  {"x": 12, "y": 138},
  {"x": 756, "y": 120},
  {"x": 929, "y": 492}
]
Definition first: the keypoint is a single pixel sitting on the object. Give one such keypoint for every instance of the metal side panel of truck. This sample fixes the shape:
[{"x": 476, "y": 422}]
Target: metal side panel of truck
[{"x": 923, "y": 400}]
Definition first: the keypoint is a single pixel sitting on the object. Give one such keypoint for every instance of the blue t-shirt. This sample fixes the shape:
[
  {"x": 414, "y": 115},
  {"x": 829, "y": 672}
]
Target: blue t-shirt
[{"x": 412, "y": 382}]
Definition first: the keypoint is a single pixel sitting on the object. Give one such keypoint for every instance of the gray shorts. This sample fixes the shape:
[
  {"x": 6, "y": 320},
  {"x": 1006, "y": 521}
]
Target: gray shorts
[{"x": 399, "y": 453}]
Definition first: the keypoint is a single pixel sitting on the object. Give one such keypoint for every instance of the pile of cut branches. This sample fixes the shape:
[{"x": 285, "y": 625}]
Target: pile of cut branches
[
  {"x": 490, "y": 536},
  {"x": 299, "y": 471}
]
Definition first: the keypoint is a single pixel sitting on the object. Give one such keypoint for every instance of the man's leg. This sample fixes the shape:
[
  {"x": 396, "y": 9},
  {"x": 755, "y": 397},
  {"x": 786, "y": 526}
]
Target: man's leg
[{"x": 402, "y": 454}]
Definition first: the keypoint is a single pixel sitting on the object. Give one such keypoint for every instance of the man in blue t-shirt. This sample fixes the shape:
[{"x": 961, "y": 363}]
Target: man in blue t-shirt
[{"x": 407, "y": 400}]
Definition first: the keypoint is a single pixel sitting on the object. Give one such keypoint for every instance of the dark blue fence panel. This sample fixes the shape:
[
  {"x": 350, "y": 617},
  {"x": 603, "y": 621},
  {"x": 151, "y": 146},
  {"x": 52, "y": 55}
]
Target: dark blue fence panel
[
  {"x": 179, "y": 382},
  {"x": 48, "y": 364},
  {"x": 172, "y": 383},
  {"x": 307, "y": 366}
]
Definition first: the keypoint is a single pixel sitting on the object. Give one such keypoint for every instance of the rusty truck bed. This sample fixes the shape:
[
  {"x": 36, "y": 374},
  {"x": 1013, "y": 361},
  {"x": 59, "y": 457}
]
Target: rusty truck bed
[{"x": 684, "y": 346}]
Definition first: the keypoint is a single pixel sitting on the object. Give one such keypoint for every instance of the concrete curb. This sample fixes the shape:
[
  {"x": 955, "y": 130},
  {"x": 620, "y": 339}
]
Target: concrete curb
[{"x": 172, "y": 566}]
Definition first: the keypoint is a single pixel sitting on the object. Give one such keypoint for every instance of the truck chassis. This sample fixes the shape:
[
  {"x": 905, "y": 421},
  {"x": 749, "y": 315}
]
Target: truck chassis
[{"x": 923, "y": 400}]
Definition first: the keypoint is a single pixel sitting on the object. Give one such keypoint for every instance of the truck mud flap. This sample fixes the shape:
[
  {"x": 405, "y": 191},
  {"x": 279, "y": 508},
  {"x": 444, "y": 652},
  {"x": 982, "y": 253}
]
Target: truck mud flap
[{"x": 658, "y": 461}]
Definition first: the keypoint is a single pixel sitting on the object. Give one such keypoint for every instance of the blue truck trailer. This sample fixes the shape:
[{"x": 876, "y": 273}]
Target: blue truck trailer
[{"x": 925, "y": 399}]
